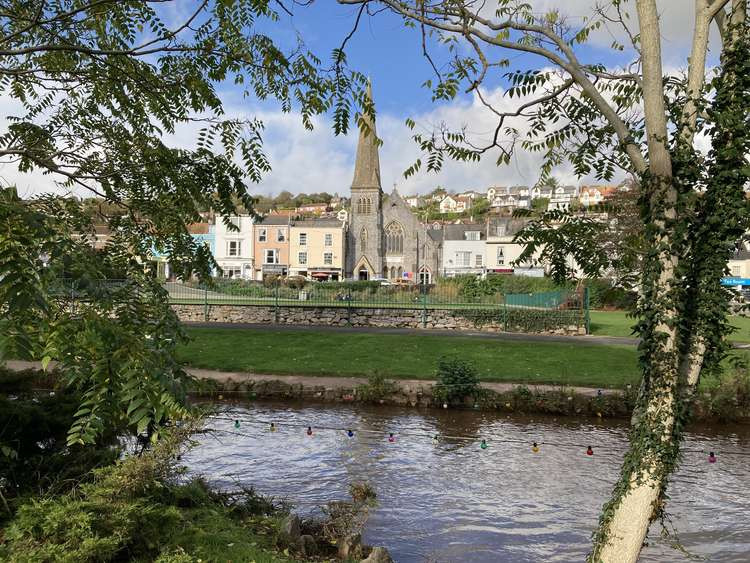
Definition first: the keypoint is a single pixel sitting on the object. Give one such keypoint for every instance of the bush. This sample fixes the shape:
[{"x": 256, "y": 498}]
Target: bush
[
  {"x": 457, "y": 380},
  {"x": 726, "y": 395},
  {"x": 376, "y": 388},
  {"x": 137, "y": 511}
]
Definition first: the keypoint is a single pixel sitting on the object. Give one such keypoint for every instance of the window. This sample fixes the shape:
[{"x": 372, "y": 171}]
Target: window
[
  {"x": 262, "y": 235},
  {"x": 463, "y": 259},
  {"x": 302, "y": 257},
  {"x": 303, "y": 239},
  {"x": 235, "y": 222},
  {"x": 272, "y": 256},
  {"x": 364, "y": 206},
  {"x": 425, "y": 277},
  {"x": 234, "y": 247},
  {"x": 500, "y": 255},
  {"x": 479, "y": 261},
  {"x": 232, "y": 272},
  {"x": 328, "y": 239},
  {"x": 472, "y": 235},
  {"x": 328, "y": 258},
  {"x": 280, "y": 235},
  {"x": 736, "y": 270},
  {"x": 394, "y": 239}
]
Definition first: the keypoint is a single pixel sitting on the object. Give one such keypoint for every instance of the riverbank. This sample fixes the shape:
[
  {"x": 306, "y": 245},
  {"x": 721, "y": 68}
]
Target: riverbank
[
  {"x": 725, "y": 398},
  {"x": 531, "y": 361}
]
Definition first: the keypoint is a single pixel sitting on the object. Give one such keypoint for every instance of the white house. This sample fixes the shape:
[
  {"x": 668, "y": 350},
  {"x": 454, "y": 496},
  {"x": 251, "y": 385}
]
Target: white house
[
  {"x": 511, "y": 202},
  {"x": 594, "y": 195},
  {"x": 501, "y": 252},
  {"x": 463, "y": 250},
  {"x": 234, "y": 248},
  {"x": 562, "y": 197},
  {"x": 454, "y": 204},
  {"x": 538, "y": 192},
  {"x": 519, "y": 191},
  {"x": 412, "y": 201}
]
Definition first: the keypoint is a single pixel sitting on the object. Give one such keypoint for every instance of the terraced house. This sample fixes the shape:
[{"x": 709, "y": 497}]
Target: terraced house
[
  {"x": 271, "y": 244},
  {"x": 317, "y": 249}
]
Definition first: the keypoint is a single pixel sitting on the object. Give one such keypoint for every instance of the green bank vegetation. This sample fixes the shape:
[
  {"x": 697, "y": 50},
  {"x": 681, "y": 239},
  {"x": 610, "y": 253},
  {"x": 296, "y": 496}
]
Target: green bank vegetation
[{"x": 410, "y": 356}]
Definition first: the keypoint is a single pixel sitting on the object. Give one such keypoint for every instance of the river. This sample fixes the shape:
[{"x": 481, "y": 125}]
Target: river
[{"x": 454, "y": 501}]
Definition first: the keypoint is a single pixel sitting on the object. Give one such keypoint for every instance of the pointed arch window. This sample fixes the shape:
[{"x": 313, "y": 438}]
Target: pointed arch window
[
  {"x": 394, "y": 239},
  {"x": 364, "y": 205}
]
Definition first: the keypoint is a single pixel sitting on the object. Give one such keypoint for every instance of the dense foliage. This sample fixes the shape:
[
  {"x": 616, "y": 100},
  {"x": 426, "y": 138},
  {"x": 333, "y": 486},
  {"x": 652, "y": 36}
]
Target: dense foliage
[
  {"x": 138, "y": 510},
  {"x": 456, "y": 380},
  {"x": 96, "y": 86}
]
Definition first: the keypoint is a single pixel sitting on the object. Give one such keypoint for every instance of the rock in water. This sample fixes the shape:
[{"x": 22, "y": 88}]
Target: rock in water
[
  {"x": 378, "y": 555},
  {"x": 290, "y": 528}
]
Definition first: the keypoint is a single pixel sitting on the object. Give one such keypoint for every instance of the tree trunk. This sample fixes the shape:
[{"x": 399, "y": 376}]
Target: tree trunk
[{"x": 654, "y": 443}]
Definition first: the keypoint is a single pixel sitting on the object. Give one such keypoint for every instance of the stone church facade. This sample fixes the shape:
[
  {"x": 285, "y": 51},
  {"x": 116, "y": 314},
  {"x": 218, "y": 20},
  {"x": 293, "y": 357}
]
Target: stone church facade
[{"x": 384, "y": 238}]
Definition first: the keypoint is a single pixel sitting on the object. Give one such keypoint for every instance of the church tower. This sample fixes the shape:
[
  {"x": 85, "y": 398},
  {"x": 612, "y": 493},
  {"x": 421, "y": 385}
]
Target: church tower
[{"x": 364, "y": 235}]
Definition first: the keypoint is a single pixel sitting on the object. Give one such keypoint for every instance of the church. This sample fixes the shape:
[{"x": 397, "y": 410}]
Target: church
[{"x": 384, "y": 238}]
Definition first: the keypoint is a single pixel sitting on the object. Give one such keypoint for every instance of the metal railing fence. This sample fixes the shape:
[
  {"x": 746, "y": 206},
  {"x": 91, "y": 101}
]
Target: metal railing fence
[{"x": 524, "y": 311}]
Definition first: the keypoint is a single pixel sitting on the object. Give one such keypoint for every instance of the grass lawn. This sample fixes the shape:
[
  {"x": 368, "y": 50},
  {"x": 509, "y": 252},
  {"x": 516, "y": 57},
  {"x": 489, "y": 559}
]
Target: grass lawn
[
  {"x": 616, "y": 323},
  {"x": 309, "y": 352}
]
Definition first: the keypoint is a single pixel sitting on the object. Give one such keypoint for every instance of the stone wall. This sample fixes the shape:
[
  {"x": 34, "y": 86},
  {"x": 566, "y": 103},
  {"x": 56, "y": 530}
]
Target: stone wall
[{"x": 554, "y": 322}]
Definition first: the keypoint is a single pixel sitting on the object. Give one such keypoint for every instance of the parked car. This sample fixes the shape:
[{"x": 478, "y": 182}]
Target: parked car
[{"x": 383, "y": 281}]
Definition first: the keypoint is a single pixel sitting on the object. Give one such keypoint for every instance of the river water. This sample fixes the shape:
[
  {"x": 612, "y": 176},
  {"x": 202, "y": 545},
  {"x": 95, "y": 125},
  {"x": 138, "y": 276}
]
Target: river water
[{"x": 451, "y": 500}]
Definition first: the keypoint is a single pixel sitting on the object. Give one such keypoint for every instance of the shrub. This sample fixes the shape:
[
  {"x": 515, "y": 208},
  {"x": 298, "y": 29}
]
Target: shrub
[
  {"x": 296, "y": 282},
  {"x": 457, "y": 380},
  {"x": 376, "y": 388}
]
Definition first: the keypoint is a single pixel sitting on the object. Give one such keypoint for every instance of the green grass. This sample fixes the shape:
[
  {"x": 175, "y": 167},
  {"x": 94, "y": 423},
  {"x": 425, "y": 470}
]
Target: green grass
[
  {"x": 611, "y": 323},
  {"x": 310, "y": 352},
  {"x": 616, "y": 323},
  {"x": 209, "y": 534}
]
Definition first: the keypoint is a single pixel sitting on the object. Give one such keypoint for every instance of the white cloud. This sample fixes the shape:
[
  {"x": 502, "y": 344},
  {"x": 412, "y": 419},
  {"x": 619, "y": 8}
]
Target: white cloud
[{"x": 315, "y": 161}]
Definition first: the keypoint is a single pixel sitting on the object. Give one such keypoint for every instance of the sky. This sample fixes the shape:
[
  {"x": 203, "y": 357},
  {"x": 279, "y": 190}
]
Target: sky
[{"x": 391, "y": 55}]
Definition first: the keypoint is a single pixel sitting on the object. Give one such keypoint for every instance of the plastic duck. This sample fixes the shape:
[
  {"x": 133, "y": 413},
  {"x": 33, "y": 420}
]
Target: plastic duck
[
  {"x": 535, "y": 448},
  {"x": 391, "y": 437},
  {"x": 236, "y": 423},
  {"x": 309, "y": 430},
  {"x": 350, "y": 433},
  {"x": 711, "y": 457},
  {"x": 589, "y": 451},
  {"x": 273, "y": 427},
  {"x": 483, "y": 445}
]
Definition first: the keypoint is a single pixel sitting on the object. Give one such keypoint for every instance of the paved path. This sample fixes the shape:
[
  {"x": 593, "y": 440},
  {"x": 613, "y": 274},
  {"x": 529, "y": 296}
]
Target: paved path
[
  {"x": 509, "y": 336},
  {"x": 332, "y": 382}
]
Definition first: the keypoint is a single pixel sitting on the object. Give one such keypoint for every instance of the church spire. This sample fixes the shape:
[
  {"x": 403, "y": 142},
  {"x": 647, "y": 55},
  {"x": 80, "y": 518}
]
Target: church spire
[{"x": 367, "y": 165}]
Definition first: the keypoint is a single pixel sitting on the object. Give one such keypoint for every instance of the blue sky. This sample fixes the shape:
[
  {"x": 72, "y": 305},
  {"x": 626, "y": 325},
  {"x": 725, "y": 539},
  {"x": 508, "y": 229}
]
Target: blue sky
[{"x": 391, "y": 55}]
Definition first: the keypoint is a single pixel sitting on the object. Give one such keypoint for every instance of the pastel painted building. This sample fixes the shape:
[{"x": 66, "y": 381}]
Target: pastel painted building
[
  {"x": 316, "y": 249},
  {"x": 271, "y": 246}
]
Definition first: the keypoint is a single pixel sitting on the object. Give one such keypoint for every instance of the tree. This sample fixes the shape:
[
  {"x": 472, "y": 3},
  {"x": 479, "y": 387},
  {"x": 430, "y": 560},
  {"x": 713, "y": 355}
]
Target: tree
[
  {"x": 98, "y": 84},
  {"x": 635, "y": 119}
]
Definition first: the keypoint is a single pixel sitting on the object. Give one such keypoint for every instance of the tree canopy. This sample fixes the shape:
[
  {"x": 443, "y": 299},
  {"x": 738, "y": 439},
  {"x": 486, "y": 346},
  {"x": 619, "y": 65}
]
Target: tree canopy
[{"x": 98, "y": 88}]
